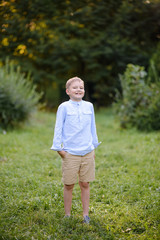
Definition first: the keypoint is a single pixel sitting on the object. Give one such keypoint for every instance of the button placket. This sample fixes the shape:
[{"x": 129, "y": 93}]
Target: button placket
[{"x": 79, "y": 115}]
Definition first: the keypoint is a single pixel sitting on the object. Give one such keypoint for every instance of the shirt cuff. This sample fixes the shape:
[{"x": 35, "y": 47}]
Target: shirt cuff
[
  {"x": 96, "y": 144},
  {"x": 56, "y": 149}
]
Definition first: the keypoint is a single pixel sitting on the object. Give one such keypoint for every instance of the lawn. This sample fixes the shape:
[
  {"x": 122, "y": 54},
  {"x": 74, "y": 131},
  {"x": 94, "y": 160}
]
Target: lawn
[{"x": 125, "y": 197}]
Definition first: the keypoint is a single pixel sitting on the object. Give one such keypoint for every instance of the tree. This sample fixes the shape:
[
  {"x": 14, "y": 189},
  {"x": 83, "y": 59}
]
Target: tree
[{"x": 95, "y": 40}]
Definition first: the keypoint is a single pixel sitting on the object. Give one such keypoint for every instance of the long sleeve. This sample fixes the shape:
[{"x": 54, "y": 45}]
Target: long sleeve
[
  {"x": 58, "y": 130},
  {"x": 93, "y": 130}
]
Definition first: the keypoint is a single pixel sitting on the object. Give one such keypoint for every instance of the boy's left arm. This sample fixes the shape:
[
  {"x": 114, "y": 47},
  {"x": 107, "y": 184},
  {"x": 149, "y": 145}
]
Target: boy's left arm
[{"x": 93, "y": 130}]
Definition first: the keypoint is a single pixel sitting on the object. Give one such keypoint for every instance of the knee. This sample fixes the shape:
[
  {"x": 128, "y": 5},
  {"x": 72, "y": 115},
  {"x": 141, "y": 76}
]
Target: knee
[
  {"x": 69, "y": 187},
  {"x": 84, "y": 185}
]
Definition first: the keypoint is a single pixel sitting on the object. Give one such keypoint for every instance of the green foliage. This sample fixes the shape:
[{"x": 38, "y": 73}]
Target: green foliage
[
  {"x": 124, "y": 199},
  {"x": 140, "y": 103},
  {"x": 154, "y": 66},
  {"x": 94, "y": 39},
  {"x": 18, "y": 97}
]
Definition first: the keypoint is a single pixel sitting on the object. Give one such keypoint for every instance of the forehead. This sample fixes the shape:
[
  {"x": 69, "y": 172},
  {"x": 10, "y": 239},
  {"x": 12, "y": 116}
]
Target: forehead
[{"x": 77, "y": 82}]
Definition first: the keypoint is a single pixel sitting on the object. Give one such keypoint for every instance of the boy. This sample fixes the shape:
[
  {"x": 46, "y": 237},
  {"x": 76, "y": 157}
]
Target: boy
[{"x": 75, "y": 139}]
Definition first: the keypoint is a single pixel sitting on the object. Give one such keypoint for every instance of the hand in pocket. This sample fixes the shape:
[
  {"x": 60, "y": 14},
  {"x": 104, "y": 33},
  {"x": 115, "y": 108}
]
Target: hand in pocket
[{"x": 62, "y": 153}]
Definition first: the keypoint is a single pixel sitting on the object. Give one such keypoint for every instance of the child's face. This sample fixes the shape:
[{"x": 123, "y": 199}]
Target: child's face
[{"x": 76, "y": 91}]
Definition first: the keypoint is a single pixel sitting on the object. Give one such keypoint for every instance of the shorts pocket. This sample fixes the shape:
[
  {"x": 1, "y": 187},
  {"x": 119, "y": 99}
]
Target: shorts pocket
[{"x": 65, "y": 156}]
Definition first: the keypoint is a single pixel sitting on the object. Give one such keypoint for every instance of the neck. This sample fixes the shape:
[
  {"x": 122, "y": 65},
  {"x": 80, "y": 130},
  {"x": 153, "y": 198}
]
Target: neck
[{"x": 75, "y": 100}]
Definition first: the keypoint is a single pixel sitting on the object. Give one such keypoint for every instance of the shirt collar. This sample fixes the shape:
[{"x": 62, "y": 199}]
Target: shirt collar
[{"x": 75, "y": 103}]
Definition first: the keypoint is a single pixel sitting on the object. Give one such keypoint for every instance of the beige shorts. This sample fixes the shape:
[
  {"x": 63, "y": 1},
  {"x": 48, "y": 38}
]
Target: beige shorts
[{"x": 74, "y": 166}]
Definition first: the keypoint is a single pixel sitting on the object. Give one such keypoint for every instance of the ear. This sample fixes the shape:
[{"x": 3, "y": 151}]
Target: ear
[{"x": 67, "y": 91}]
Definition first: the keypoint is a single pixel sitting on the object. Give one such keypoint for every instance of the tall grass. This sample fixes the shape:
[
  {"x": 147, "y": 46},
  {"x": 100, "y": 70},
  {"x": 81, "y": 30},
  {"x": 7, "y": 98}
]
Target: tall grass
[{"x": 125, "y": 196}]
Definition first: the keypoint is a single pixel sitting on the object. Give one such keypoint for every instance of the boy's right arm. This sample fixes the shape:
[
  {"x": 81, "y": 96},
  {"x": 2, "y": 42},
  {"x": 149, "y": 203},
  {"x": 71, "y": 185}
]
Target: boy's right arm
[
  {"x": 62, "y": 153},
  {"x": 57, "y": 140}
]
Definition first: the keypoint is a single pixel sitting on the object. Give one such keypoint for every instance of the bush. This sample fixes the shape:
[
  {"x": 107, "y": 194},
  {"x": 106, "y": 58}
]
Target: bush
[
  {"x": 18, "y": 97},
  {"x": 154, "y": 66},
  {"x": 139, "y": 105}
]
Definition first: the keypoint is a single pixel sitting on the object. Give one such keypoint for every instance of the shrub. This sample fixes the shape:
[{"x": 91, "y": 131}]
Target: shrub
[
  {"x": 18, "y": 97},
  {"x": 154, "y": 66},
  {"x": 139, "y": 105}
]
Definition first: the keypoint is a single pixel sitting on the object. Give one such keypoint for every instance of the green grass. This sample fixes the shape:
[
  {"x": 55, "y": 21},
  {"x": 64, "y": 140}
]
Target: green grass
[{"x": 125, "y": 197}]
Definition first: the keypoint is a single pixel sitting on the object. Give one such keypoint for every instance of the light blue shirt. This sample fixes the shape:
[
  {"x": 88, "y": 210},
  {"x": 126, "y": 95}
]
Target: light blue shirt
[{"x": 75, "y": 128}]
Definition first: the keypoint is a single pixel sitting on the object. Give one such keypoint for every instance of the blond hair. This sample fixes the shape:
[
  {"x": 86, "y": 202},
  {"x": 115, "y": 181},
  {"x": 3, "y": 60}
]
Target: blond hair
[{"x": 71, "y": 80}]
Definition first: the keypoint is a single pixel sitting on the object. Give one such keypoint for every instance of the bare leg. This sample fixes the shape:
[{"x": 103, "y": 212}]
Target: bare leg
[
  {"x": 68, "y": 199},
  {"x": 85, "y": 195}
]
